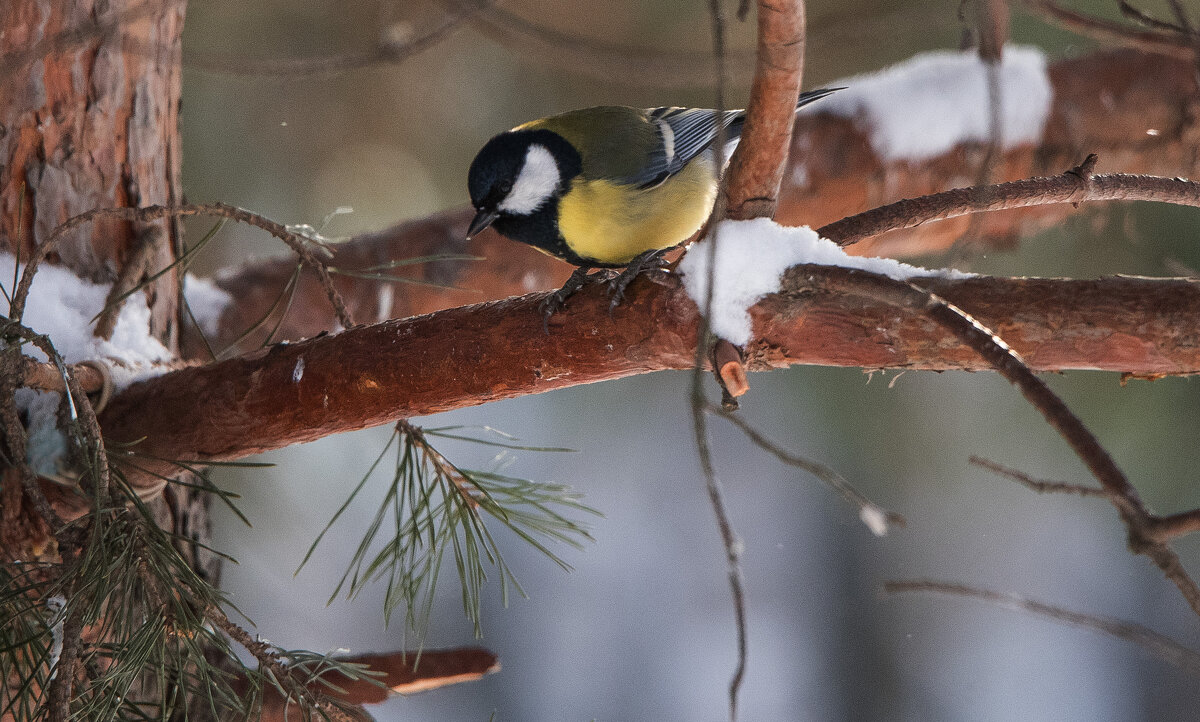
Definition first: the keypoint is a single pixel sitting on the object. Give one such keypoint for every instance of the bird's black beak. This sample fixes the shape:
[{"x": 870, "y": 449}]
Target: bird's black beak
[{"x": 482, "y": 220}]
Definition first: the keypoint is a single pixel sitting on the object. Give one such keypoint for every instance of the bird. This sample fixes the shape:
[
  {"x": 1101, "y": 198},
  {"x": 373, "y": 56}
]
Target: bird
[{"x": 604, "y": 187}]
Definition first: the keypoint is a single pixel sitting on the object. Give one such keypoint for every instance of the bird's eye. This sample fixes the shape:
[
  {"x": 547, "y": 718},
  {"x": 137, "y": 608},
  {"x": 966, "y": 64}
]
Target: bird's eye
[{"x": 504, "y": 186}]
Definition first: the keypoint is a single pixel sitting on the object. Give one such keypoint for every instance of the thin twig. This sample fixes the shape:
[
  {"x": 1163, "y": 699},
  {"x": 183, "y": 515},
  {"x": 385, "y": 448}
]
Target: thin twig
[
  {"x": 1159, "y": 645},
  {"x": 1148, "y": 41},
  {"x": 868, "y": 511},
  {"x": 1038, "y": 485},
  {"x": 270, "y": 661},
  {"x": 716, "y": 496},
  {"x": 301, "y": 245},
  {"x": 130, "y": 275},
  {"x": 1147, "y": 19},
  {"x": 388, "y": 51}
]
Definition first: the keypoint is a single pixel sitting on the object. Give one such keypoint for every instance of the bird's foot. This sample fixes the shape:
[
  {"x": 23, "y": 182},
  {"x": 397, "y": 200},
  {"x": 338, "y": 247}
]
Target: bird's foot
[
  {"x": 644, "y": 263},
  {"x": 556, "y": 301}
]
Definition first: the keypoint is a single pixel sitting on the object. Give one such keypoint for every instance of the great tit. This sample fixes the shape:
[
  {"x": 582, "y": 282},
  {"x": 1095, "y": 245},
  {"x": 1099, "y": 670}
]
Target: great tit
[{"x": 604, "y": 187}]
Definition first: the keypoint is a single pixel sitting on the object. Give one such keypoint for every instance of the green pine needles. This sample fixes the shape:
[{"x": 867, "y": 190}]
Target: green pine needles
[{"x": 433, "y": 509}]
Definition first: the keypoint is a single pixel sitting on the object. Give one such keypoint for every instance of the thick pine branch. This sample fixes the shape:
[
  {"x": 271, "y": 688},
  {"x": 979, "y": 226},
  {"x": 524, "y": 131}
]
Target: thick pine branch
[{"x": 475, "y": 354}]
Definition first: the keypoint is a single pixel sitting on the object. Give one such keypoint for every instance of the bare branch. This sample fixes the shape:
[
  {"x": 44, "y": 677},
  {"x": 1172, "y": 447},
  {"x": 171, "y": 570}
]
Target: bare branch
[
  {"x": 867, "y": 509},
  {"x": 1107, "y": 31},
  {"x": 1070, "y": 187},
  {"x": 1038, "y": 485},
  {"x": 475, "y": 354},
  {"x": 297, "y": 243},
  {"x": 1159, "y": 645}
]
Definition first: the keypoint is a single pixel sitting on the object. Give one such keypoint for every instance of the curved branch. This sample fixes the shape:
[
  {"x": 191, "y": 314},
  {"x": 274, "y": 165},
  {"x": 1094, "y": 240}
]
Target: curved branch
[
  {"x": 387, "y": 51},
  {"x": 756, "y": 168},
  {"x": 295, "y": 241},
  {"x": 1075, "y": 186},
  {"x": 1107, "y": 31}
]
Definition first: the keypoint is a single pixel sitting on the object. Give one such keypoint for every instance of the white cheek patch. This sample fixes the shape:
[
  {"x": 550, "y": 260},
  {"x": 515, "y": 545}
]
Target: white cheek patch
[{"x": 537, "y": 181}]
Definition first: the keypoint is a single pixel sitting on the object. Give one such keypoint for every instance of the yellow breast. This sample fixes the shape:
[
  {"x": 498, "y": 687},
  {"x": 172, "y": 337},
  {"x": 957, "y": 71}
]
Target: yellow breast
[{"x": 603, "y": 222}]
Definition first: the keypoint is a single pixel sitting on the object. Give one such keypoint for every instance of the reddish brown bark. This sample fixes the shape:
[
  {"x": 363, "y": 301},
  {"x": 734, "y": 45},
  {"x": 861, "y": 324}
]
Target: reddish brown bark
[
  {"x": 752, "y": 184},
  {"x": 90, "y": 125},
  {"x": 1103, "y": 103},
  {"x": 476, "y": 354}
]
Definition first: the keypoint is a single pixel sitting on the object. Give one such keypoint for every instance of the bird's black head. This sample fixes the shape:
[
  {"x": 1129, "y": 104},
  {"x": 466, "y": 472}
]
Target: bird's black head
[{"x": 517, "y": 173}]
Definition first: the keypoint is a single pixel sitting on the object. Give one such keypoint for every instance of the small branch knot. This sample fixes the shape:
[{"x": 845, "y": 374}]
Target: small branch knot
[{"x": 1083, "y": 172}]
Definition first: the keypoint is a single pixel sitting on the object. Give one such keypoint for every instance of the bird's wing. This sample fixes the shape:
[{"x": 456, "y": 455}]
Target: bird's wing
[{"x": 683, "y": 134}]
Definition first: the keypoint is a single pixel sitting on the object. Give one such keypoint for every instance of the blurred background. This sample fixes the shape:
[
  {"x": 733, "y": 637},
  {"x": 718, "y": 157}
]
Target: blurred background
[{"x": 643, "y": 627}]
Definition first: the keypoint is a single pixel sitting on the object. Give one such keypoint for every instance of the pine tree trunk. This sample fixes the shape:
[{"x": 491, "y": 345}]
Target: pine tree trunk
[{"x": 89, "y": 118}]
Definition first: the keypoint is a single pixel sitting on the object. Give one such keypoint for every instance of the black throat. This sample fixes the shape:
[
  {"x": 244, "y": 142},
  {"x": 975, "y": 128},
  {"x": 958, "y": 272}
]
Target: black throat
[{"x": 540, "y": 228}]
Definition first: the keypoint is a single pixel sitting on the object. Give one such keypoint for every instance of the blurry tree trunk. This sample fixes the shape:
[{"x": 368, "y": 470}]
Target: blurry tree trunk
[{"x": 89, "y": 118}]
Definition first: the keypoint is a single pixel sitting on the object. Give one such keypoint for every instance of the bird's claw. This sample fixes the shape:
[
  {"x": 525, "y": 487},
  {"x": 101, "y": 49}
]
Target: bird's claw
[
  {"x": 645, "y": 263},
  {"x": 556, "y": 301}
]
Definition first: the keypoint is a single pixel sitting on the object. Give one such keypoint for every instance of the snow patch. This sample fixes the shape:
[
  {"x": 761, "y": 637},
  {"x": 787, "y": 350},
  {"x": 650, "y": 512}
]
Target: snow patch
[
  {"x": 875, "y": 519},
  {"x": 925, "y": 106},
  {"x": 62, "y": 306},
  {"x": 750, "y": 261},
  {"x": 207, "y": 302}
]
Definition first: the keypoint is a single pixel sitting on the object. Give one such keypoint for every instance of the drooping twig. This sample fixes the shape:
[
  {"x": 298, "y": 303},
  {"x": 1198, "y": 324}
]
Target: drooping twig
[
  {"x": 1157, "y": 644},
  {"x": 868, "y": 511},
  {"x": 749, "y": 190},
  {"x": 302, "y": 246},
  {"x": 716, "y": 495},
  {"x": 1160, "y": 529}
]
